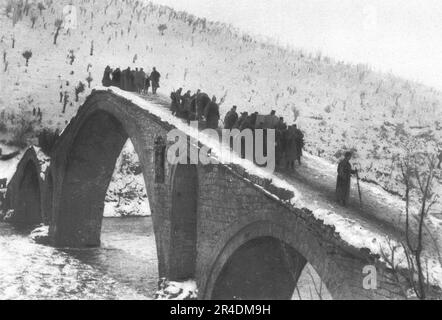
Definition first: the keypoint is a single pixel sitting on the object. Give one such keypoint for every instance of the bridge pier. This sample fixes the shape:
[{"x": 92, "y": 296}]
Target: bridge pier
[
  {"x": 88, "y": 170},
  {"x": 25, "y": 191}
]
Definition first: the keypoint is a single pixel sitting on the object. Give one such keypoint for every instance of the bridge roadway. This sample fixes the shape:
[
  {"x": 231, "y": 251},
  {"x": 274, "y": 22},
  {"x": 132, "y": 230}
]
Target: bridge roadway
[{"x": 381, "y": 212}]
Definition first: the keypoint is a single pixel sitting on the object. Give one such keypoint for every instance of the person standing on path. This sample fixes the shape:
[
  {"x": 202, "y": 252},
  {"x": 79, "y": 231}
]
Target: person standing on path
[{"x": 343, "y": 180}]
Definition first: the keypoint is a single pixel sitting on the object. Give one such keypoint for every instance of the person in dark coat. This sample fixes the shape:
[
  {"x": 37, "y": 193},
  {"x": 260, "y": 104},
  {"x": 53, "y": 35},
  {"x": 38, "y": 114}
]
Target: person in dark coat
[
  {"x": 270, "y": 121},
  {"x": 281, "y": 125},
  {"x": 139, "y": 80},
  {"x": 299, "y": 140},
  {"x": 116, "y": 78},
  {"x": 280, "y": 142},
  {"x": 126, "y": 79},
  {"x": 230, "y": 118},
  {"x": 106, "y": 81},
  {"x": 212, "y": 114},
  {"x": 193, "y": 107},
  {"x": 280, "y": 147},
  {"x": 252, "y": 120},
  {"x": 240, "y": 120},
  {"x": 248, "y": 123},
  {"x": 175, "y": 97},
  {"x": 132, "y": 87},
  {"x": 123, "y": 79},
  {"x": 291, "y": 148},
  {"x": 155, "y": 80},
  {"x": 186, "y": 101},
  {"x": 201, "y": 102},
  {"x": 343, "y": 180}
]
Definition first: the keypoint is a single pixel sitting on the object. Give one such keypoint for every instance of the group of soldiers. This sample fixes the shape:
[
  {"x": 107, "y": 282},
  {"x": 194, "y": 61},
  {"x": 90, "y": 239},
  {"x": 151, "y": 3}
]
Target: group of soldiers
[
  {"x": 195, "y": 107},
  {"x": 199, "y": 107},
  {"x": 132, "y": 80},
  {"x": 289, "y": 140}
]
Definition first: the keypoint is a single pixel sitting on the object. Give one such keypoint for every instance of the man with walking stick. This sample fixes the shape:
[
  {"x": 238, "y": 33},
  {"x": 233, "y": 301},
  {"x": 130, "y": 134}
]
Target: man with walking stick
[{"x": 343, "y": 180}]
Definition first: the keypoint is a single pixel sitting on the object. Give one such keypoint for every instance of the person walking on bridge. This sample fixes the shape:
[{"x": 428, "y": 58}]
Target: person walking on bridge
[
  {"x": 240, "y": 120},
  {"x": 106, "y": 81},
  {"x": 155, "y": 80},
  {"x": 116, "y": 78},
  {"x": 175, "y": 97},
  {"x": 139, "y": 80},
  {"x": 212, "y": 114},
  {"x": 186, "y": 101},
  {"x": 299, "y": 141},
  {"x": 343, "y": 180},
  {"x": 230, "y": 119}
]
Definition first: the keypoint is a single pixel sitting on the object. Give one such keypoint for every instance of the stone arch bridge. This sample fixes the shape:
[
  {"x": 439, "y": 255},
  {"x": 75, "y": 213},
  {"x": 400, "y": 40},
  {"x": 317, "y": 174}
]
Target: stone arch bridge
[{"x": 233, "y": 232}]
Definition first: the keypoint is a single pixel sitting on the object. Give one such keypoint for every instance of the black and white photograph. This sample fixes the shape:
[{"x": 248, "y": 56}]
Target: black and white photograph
[{"x": 233, "y": 150}]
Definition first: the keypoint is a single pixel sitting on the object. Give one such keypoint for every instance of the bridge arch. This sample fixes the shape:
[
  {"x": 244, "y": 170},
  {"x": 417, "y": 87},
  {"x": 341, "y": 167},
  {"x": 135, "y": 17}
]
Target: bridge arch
[
  {"x": 25, "y": 190},
  {"x": 269, "y": 258},
  {"x": 183, "y": 247},
  {"x": 89, "y": 162},
  {"x": 28, "y": 209},
  {"x": 83, "y": 162}
]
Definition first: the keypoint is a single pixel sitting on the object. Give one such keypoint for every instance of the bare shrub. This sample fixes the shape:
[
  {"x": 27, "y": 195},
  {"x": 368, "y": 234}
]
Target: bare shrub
[{"x": 23, "y": 128}]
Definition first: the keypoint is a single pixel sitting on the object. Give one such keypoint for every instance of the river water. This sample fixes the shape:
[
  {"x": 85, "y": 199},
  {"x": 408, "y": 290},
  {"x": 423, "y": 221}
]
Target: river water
[{"x": 124, "y": 267}]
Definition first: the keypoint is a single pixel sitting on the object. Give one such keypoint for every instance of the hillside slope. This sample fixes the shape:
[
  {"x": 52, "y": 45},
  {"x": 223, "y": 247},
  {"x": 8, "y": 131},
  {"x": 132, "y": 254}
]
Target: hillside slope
[{"x": 340, "y": 106}]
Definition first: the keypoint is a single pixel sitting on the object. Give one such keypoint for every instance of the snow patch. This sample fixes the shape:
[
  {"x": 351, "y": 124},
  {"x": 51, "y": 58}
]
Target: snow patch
[
  {"x": 43, "y": 159},
  {"x": 40, "y": 234},
  {"x": 172, "y": 290}
]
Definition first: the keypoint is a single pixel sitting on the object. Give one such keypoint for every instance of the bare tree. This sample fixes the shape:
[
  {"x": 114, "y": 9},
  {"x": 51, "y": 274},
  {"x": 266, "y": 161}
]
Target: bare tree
[
  {"x": 418, "y": 171},
  {"x": 162, "y": 28},
  {"x": 79, "y": 89},
  {"x": 41, "y": 7},
  {"x": 27, "y": 55},
  {"x": 33, "y": 20},
  {"x": 58, "y": 24},
  {"x": 65, "y": 101},
  {"x": 71, "y": 57},
  {"x": 89, "y": 79}
]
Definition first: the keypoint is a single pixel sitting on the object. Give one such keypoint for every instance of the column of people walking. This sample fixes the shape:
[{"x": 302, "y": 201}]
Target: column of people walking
[{"x": 134, "y": 80}]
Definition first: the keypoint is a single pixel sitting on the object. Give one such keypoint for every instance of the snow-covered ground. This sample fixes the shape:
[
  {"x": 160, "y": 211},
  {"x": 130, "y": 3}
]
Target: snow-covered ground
[
  {"x": 172, "y": 290},
  {"x": 126, "y": 195},
  {"x": 341, "y": 106}
]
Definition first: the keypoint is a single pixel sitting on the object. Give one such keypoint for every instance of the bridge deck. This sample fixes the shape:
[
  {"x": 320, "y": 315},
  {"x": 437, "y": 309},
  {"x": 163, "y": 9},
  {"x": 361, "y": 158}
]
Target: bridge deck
[
  {"x": 319, "y": 186},
  {"x": 381, "y": 215}
]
